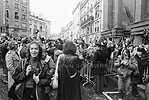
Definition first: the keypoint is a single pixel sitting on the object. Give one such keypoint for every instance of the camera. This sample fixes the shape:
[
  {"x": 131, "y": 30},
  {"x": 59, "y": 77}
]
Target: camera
[{"x": 35, "y": 71}]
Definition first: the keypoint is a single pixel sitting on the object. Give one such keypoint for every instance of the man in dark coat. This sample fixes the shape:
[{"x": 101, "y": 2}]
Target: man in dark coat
[{"x": 99, "y": 67}]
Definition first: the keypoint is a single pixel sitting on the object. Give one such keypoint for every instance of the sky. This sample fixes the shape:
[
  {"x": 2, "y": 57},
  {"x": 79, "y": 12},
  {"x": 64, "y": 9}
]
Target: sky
[{"x": 59, "y": 12}]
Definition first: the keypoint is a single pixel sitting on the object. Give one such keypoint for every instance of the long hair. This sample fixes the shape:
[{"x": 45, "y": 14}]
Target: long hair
[
  {"x": 11, "y": 45},
  {"x": 69, "y": 48},
  {"x": 40, "y": 50},
  {"x": 127, "y": 51}
]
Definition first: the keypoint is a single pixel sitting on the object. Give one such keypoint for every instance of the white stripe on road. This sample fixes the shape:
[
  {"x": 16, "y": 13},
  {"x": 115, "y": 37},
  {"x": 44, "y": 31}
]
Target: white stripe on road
[{"x": 107, "y": 96}]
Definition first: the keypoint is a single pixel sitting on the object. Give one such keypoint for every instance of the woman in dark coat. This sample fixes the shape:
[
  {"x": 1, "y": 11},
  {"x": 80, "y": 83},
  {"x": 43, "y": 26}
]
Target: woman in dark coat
[
  {"x": 34, "y": 74},
  {"x": 68, "y": 74}
]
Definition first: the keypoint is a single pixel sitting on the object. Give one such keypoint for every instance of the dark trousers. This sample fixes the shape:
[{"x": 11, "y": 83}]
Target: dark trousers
[
  {"x": 99, "y": 83},
  {"x": 134, "y": 89},
  {"x": 29, "y": 94},
  {"x": 5, "y": 70}
]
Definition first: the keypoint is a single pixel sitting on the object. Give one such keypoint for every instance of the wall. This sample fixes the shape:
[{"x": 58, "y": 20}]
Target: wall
[
  {"x": 140, "y": 11},
  {"x": 127, "y": 13},
  {"x": 1, "y": 13},
  {"x": 36, "y": 23},
  {"x": 76, "y": 22},
  {"x": 107, "y": 14},
  {"x": 137, "y": 40},
  {"x": 48, "y": 30}
]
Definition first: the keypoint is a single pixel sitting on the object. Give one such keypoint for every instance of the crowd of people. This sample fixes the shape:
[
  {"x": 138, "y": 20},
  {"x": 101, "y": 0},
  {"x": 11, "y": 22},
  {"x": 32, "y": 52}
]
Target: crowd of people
[{"x": 29, "y": 66}]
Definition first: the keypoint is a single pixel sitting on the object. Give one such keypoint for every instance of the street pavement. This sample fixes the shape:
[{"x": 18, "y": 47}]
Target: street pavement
[
  {"x": 3, "y": 88},
  {"x": 87, "y": 92}
]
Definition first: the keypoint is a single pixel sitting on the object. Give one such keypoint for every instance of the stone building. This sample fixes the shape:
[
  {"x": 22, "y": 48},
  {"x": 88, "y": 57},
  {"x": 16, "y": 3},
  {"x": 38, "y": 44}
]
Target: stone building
[
  {"x": 140, "y": 26},
  {"x": 91, "y": 19},
  {"x": 76, "y": 21},
  {"x": 43, "y": 26},
  {"x": 15, "y": 17},
  {"x": 117, "y": 17},
  {"x": 68, "y": 32}
]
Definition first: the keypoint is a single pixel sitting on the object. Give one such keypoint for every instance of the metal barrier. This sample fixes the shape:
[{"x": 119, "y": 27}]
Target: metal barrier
[
  {"x": 111, "y": 70},
  {"x": 86, "y": 72}
]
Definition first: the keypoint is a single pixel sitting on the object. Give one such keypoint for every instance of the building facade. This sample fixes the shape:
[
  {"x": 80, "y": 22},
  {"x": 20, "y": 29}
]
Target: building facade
[
  {"x": 114, "y": 19},
  {"x": 76, "y": 21},
  {"x": 16, "y": 17},
  {"x": 68, "y": 32},
  {"x": 2, "y": 16},
  {"x": 41, "y": 25},
  {"x": 117, "y": 17},
  {"x": 126, "y": 18},
  {"x": 91, "y": 19},
  {"x": 140, "y": 26}
]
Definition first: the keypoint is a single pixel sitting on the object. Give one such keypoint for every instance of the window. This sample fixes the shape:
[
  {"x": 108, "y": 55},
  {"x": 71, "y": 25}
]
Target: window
[
  {"x": 16, "y": 6},
  {"x": 91, "y": 13},
  {"x": 7, "y": 4},
  {"x": 87, "y": 16},
  {"x": 35, "y": 26},
  {"x": 91, "y": 5},
  {"x": 95, "y": 26},
  {"x": 90, "y": 29},
  {"x": 17, "y": 15},
  {"x": 34, "y": 30},
  {"x": 41, "y": 28},
  {"x": 24, "y": 10},
  {"x": 16, "y": 0},
  {"x": 24, "y": 25},
  {"x": 30, "y": 30},
  {"x": 35, "y": 22},
  {"x": 88, "y": 7},
  {"x": 7, "y": 14},
  {"x": 30, "y": 23},
  {"x": 24, "y": 17},
  {"x": 16, "y": 23},
  {"x": 24, "y": 2}
]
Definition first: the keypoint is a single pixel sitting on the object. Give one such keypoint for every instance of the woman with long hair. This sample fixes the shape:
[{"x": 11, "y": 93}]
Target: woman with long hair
[
  {"x": 126, "y": 64},
  {"x": 34, "y": 75},
  {"x": 68, "y": 73}
]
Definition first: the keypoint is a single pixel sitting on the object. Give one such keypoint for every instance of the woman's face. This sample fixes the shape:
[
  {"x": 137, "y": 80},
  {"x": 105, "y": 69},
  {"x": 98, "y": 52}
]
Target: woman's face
[
  {"x": 34, "y": 50},
  {"x": 125, "y": 54}
]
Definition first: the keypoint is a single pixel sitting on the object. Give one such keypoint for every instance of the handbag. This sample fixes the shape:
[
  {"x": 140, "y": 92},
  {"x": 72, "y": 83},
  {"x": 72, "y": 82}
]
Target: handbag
[
  {"x": 12, "y": 93},
  {"x": 17, "y": 88},
  {"x": 54, "y": 80}
]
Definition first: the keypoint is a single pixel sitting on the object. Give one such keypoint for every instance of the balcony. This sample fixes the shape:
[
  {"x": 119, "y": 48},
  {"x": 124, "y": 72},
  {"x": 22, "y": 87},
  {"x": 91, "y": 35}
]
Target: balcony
[{"x": 90, "y": 19}]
